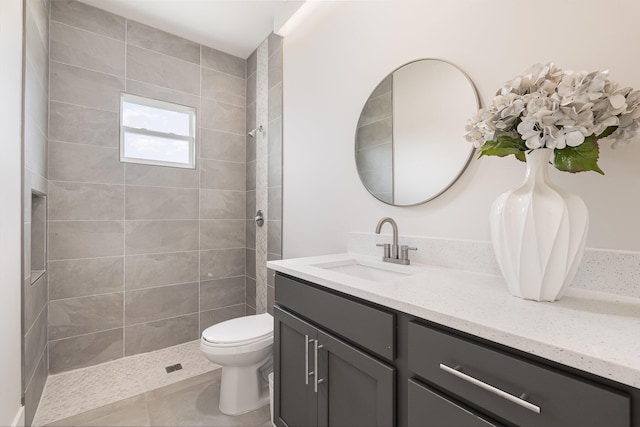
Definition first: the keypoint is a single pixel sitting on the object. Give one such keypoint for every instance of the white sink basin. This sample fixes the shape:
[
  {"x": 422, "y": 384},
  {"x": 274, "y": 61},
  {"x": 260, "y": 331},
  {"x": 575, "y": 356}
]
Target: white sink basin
[{"x": 369, "y": 270}]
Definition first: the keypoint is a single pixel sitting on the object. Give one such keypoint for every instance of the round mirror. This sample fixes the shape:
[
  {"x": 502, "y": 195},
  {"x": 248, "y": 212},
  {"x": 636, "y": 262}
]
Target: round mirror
[{"x": 410, "y": 144}]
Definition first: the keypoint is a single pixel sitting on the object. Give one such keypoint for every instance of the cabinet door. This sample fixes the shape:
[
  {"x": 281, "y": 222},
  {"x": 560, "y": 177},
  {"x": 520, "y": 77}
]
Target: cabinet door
[
  {"x": 295, "y": 402},
  {"x": 429, "y": 409},
  {"x": 354, "y": 388}
]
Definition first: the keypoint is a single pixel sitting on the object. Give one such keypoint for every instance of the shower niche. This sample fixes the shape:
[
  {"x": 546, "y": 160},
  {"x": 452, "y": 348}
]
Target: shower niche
[{"x": 38, "y": 235}]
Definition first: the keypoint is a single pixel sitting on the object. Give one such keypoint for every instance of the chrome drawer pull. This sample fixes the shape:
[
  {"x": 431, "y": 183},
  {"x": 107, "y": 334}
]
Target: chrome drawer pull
[
  {"x": 518, "y": 401},
  {"x": 317, "y": 381},
  {"x": 306, "y": 359}
]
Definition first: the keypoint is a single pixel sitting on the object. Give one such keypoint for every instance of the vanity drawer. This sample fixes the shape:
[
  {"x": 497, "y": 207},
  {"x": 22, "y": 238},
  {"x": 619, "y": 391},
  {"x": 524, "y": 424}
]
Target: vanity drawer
[
  {"x": 364, "y": 325},
  {"x": 495, "y": 381},
  {"x": 429, "y": 409}
]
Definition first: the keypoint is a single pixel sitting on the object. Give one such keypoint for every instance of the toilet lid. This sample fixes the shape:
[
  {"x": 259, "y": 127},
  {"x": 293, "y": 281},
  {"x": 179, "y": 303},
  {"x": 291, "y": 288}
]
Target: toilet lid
[{"x": 248, "y": 328}]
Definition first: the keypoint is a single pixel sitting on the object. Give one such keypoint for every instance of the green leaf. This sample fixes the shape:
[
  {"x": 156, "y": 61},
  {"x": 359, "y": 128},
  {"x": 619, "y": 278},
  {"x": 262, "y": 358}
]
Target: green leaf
[
  {"x": 504, "y": 146},
  {"x": 582, "y": 158},
  {"x": 608, "y": 131}
]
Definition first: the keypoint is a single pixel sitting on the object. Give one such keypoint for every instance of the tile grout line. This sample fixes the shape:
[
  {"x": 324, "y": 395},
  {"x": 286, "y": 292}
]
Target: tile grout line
[
  {"x": 120, "y": 256},
  {"x": 48, "y": 241},
  {"x": 145, "y": 288},
  {"x": 161, "y": 320},
  {"x": 137, "y": 220},
  {"x": 59, "y": 141},
  {"x": 200, "y": 201},
  {"x": 38, "y": 24},
  {"x": 41, "y": 356},
  {"x": 82, "y": 106},
  {"x": 89, "y": 31},
  {"x": 84, "y": 335},
  {"x": 104, "y": 147},
  {"x": 124, "y": 207},
  {"x": 30, "y": 62},
  {"x": 66, "y": 64},
  {"x": 246, "y": 214},
  {"x": 88, "y": 296},
  {"x": 151, "y": 220},
  {"x": 152, "y": 253},
  {"x": 186, "y": 61}
]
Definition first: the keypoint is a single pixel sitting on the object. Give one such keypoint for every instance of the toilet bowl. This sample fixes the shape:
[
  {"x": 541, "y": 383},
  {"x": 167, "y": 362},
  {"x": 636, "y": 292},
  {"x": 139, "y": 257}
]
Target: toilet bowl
[{"x": 242, "y": 346}]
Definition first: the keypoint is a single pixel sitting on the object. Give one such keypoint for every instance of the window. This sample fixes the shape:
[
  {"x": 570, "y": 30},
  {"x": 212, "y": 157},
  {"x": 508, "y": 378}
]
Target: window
[{"x": 156, "y": 132}]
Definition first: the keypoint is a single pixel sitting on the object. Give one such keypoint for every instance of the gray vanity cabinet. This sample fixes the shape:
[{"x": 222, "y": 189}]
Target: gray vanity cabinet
[
  {"x": 326, "y": 369},
  {"x": 323, "y": 381},
  {"x": 378, "y": 367}
]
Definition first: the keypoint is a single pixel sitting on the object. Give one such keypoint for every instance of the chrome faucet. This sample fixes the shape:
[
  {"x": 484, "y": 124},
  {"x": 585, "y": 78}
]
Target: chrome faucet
[{"x": 391, "y": 250}]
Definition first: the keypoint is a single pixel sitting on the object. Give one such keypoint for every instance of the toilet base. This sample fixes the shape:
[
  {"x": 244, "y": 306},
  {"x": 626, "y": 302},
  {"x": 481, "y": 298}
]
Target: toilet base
[{"x": 242, "y": 389}]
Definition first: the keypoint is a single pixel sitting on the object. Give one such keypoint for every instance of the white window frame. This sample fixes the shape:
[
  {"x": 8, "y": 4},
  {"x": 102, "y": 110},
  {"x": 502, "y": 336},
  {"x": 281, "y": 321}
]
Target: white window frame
[{"x": 169, "y": 106}]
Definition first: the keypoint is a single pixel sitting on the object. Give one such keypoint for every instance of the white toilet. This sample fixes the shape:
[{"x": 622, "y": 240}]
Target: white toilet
[{"x": 242, "y": 346}]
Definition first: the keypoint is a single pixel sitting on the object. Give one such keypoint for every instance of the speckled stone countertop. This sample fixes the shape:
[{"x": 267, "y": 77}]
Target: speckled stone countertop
[{"x": 592, "y": 331}]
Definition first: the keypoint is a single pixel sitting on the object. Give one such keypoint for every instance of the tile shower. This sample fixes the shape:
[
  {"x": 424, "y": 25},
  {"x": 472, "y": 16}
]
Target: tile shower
[
  {"x": 35, "y": 183},
  {"x": 144, "y": 257}
]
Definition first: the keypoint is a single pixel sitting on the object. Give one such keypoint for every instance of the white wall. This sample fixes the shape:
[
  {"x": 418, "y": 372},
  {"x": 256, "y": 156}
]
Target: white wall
[
  {"x": 10, "y": 212},
  {"x": 331, "y": 66}
]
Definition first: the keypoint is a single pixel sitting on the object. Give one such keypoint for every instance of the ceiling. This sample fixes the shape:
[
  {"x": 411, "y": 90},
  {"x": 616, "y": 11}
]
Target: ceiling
[{"x": 233, "y": 26}]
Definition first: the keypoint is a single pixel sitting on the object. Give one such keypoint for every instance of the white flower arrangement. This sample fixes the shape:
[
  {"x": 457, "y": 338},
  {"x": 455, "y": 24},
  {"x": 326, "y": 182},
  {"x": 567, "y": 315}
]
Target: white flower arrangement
[{"x": 548, "y": 107}]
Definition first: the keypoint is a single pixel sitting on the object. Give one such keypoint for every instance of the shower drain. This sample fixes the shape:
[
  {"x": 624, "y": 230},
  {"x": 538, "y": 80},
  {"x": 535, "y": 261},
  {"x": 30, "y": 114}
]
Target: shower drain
[{"x": 173, "y": 368}]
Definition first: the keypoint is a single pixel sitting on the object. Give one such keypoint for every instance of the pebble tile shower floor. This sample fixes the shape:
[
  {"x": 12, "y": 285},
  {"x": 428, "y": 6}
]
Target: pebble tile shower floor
[
  {"x": 125, "y": 391},
  {"x": 190, "y": 402}
]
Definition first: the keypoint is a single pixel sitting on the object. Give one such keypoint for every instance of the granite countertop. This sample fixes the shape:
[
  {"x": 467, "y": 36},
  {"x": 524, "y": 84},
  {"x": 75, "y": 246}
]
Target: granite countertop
[{"x": 592, "y": 331}]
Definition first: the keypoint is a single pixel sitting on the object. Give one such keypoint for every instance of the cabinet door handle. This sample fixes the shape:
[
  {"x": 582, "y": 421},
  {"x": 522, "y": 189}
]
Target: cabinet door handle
[
  {"x": 306, "y": 359},
  {"x": 317, "y": 381},
  {"x": 518, "y": 401}
]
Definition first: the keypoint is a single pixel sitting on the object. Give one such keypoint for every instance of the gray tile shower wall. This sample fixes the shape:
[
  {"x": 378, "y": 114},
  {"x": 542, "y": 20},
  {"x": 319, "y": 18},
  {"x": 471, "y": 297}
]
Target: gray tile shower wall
[
  {"x": 141, "y": 257},
  {"x": 35, "y": 286},
  {"x": 274, "y": 161},
  {"x": 264, "y": 81},
  {"x": 250, "y": 185},
  {"x": 260, "y": 176}
]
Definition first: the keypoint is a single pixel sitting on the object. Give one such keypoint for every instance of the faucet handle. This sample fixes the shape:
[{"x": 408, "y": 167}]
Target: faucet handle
[
  {"x": 387, "y": 249},
  {"x": 404, "y": 251}
]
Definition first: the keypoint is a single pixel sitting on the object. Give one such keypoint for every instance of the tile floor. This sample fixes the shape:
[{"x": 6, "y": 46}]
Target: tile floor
[
  {"x": 190, "y": 402},
  {"x": 82, "y": 390}
]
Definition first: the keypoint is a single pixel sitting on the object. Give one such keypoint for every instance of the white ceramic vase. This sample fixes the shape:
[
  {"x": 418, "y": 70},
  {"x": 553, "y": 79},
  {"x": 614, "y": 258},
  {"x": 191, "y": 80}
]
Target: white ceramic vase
[{"x": 539, "y": 232}]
